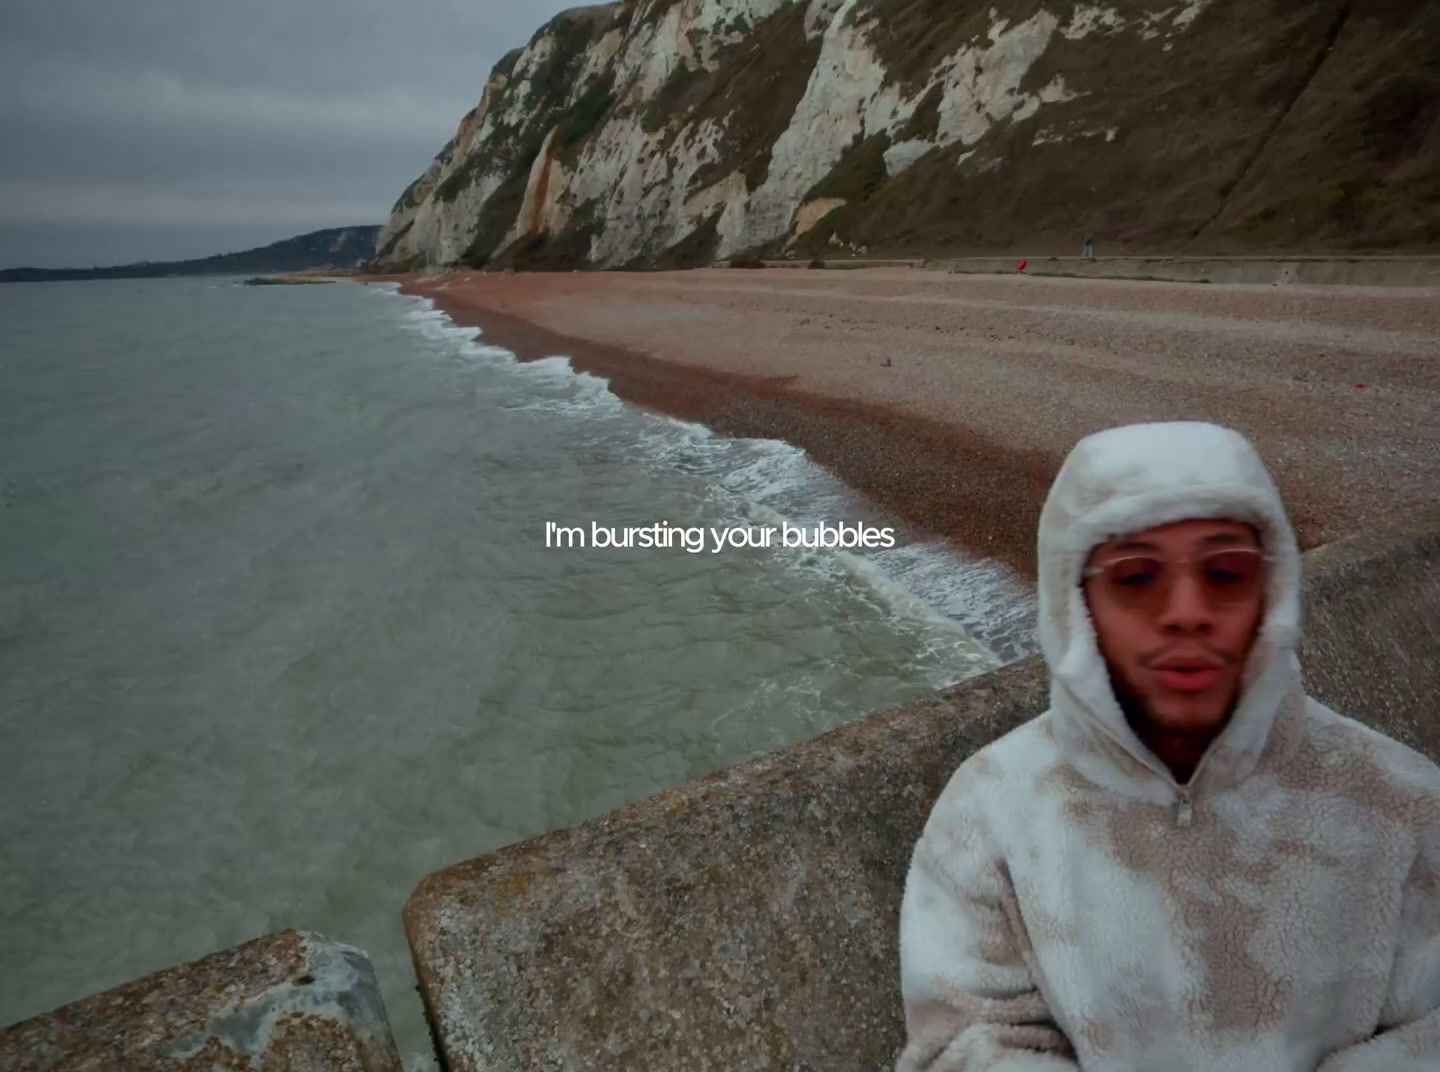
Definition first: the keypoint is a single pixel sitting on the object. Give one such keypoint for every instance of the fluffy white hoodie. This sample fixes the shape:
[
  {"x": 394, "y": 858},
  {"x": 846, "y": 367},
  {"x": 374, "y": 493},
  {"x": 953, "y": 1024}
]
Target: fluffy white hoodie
[{"x": 1069, "y": 906}]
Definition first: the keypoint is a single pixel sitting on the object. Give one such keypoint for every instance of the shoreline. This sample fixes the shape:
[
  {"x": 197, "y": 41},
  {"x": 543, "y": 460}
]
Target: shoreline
[
  {"x": 906, "y": 465},
  {"x": 950, "y": 401}
]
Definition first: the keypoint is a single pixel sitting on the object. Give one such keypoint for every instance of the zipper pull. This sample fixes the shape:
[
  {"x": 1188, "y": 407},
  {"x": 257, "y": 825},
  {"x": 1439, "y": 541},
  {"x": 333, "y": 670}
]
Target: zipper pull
[{"x": 1184, "y": 811}]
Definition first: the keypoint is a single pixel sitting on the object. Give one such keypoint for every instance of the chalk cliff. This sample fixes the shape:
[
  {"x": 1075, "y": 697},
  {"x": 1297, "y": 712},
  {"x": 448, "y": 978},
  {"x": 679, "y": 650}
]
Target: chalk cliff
[{"x": 652, "y": 133}]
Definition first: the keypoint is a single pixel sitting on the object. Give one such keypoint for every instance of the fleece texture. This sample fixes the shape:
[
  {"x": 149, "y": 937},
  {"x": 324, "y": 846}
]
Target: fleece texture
[{"x": 1070, "y": 906}]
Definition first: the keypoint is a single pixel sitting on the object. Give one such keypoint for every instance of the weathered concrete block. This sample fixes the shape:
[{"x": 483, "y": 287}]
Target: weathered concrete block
[
  {"x": 1372, "y": 630},
  {"x": 745, "y": 920},
  {"x": 291, "y": 1001},
  {"x": 748, "y": 920}
]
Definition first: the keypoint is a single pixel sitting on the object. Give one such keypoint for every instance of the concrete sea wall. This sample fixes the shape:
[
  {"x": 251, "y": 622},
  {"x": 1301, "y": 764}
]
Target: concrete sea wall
[
  {"x": 748, "y": 920},
  {"x": 1351, "y": 271},
  {"x": 744, "y": 920}
]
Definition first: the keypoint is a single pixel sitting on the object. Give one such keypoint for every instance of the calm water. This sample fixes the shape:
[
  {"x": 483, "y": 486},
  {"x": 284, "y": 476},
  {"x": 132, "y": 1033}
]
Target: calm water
[{"x": 279, "y": 633}]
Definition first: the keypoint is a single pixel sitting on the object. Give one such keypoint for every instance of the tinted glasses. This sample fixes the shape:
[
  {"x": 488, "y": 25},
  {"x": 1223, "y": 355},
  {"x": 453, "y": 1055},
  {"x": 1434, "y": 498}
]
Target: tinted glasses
[{"x": 1226, "y": 576}]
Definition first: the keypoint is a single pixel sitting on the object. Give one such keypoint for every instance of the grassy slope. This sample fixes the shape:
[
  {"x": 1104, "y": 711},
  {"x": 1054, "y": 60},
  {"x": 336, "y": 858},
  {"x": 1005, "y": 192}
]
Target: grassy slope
[{"x": 1272, "y": 125}]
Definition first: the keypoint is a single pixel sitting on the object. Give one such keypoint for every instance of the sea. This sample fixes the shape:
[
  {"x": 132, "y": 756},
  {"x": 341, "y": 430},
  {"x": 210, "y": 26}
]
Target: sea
[{"x": 280, "y": 631}]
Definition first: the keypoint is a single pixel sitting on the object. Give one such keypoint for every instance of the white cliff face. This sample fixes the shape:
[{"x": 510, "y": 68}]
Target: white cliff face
[
  {"x": 1088, "y": 20},
  {"x": 601, "y": 56},
  {"x": 644, "y": 181},
  {"x": 851, "y": 97},
  {"x": 394, "y": 241},
  {"x": 652, "y": 176},
  {"x": 443, "y": 229},
  {"x": 667, "y": 48},
  {"x": 982, "y": 84},
  {"x": 847, "y": 98},
  {"x": 435, "y": 230},
  {"x": 646, "y": 190},
  {"x": 819, "y": 15},
  {"x": 538, "y": 209},
  {"x": 903, "y": 155}
]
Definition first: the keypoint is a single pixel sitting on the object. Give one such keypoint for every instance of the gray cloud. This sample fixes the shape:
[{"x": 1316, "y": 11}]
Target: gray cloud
[{"x": 175, "y": 128}]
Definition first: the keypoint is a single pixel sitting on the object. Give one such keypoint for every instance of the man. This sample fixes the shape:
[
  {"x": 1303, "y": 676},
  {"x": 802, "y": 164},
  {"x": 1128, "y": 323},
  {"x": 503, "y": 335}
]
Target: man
[
  {"x": 1185, "y": 863},
  {"x": 1088, "y": 250}
]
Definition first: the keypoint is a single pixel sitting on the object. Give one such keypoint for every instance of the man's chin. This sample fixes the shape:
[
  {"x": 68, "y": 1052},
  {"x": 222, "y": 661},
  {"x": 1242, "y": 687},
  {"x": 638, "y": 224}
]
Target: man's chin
[
  {"x": 1174, "y": 713},
  {"x": 1188, "y": 715}
]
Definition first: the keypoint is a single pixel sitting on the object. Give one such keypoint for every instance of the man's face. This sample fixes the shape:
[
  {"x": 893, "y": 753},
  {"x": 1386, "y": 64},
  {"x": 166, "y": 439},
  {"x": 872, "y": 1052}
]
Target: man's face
[{"x": 1175, "y": 639}]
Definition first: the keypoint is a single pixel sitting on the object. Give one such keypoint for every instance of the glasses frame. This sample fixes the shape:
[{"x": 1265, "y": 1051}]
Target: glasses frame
[{"x": 1266, "y": 562}]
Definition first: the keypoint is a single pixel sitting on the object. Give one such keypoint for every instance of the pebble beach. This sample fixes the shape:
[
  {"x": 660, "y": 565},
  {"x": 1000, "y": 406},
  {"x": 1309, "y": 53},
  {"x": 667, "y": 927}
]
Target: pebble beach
[{"x": 951, "y": 400}]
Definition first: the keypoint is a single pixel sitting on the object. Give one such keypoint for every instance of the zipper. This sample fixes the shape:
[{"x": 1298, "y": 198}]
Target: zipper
[
  {"x": 1184, "y": 794},
  {"x": 1184, "y": 808}
]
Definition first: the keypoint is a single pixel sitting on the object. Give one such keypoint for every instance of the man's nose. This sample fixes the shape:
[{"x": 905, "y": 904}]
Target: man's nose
[{"x": 1186, "y": 609}]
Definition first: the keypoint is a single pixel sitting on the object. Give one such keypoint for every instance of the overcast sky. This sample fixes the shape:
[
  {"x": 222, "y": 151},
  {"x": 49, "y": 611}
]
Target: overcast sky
[{"x": 161, "y": 129}]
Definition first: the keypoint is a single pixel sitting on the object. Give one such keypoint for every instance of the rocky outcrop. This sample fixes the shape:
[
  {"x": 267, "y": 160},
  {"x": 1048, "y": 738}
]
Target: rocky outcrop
[{"x": 673, "y": 132}]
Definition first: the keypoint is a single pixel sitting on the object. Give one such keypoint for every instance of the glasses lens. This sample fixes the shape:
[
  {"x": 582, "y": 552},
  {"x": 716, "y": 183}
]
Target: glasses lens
[
  {"x": 1134, "y": 579},
  {"x": 1231, "y": 576}
]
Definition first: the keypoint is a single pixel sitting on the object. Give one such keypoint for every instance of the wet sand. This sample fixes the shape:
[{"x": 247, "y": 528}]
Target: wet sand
[{"x": 952, "y": 399}]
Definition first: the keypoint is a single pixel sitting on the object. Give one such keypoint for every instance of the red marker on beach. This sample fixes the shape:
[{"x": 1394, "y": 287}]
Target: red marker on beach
[{"x": 1358, "y": 386}]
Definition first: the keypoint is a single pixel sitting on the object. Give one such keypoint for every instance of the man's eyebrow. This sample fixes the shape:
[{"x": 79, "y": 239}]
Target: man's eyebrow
[
  {"x": 1132, "y": 545},
  {"x": 1215, "y": 539},
  {"x": 1223, "y": 537}
]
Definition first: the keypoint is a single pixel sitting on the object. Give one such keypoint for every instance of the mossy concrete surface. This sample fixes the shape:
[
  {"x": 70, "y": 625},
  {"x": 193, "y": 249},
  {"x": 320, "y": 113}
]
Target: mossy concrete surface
[
  {"x": 293, "y": 1001},
  {"x": 748, "y": 920}
]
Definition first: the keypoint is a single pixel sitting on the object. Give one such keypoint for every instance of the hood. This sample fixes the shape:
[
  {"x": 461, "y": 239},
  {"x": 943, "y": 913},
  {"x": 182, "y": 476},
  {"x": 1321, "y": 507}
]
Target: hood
[{"x": 1122, "y": 481}]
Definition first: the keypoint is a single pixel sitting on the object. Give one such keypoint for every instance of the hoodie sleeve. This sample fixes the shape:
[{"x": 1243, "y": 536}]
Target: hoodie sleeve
[
  {"x": 1409, "y": 1040},
  {"x": 971, "y": 1003}
]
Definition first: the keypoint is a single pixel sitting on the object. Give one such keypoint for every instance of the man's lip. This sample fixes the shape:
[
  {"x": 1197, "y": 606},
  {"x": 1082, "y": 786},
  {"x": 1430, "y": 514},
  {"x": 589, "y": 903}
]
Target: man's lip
[
  {"x": 1196, "y": 663},
  {"x": 1192, "y": 679}
]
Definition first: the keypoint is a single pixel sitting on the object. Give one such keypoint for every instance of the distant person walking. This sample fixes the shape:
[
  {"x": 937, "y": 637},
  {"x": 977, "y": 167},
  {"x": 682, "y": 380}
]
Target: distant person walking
[{"x": 1089, "y": 253}]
